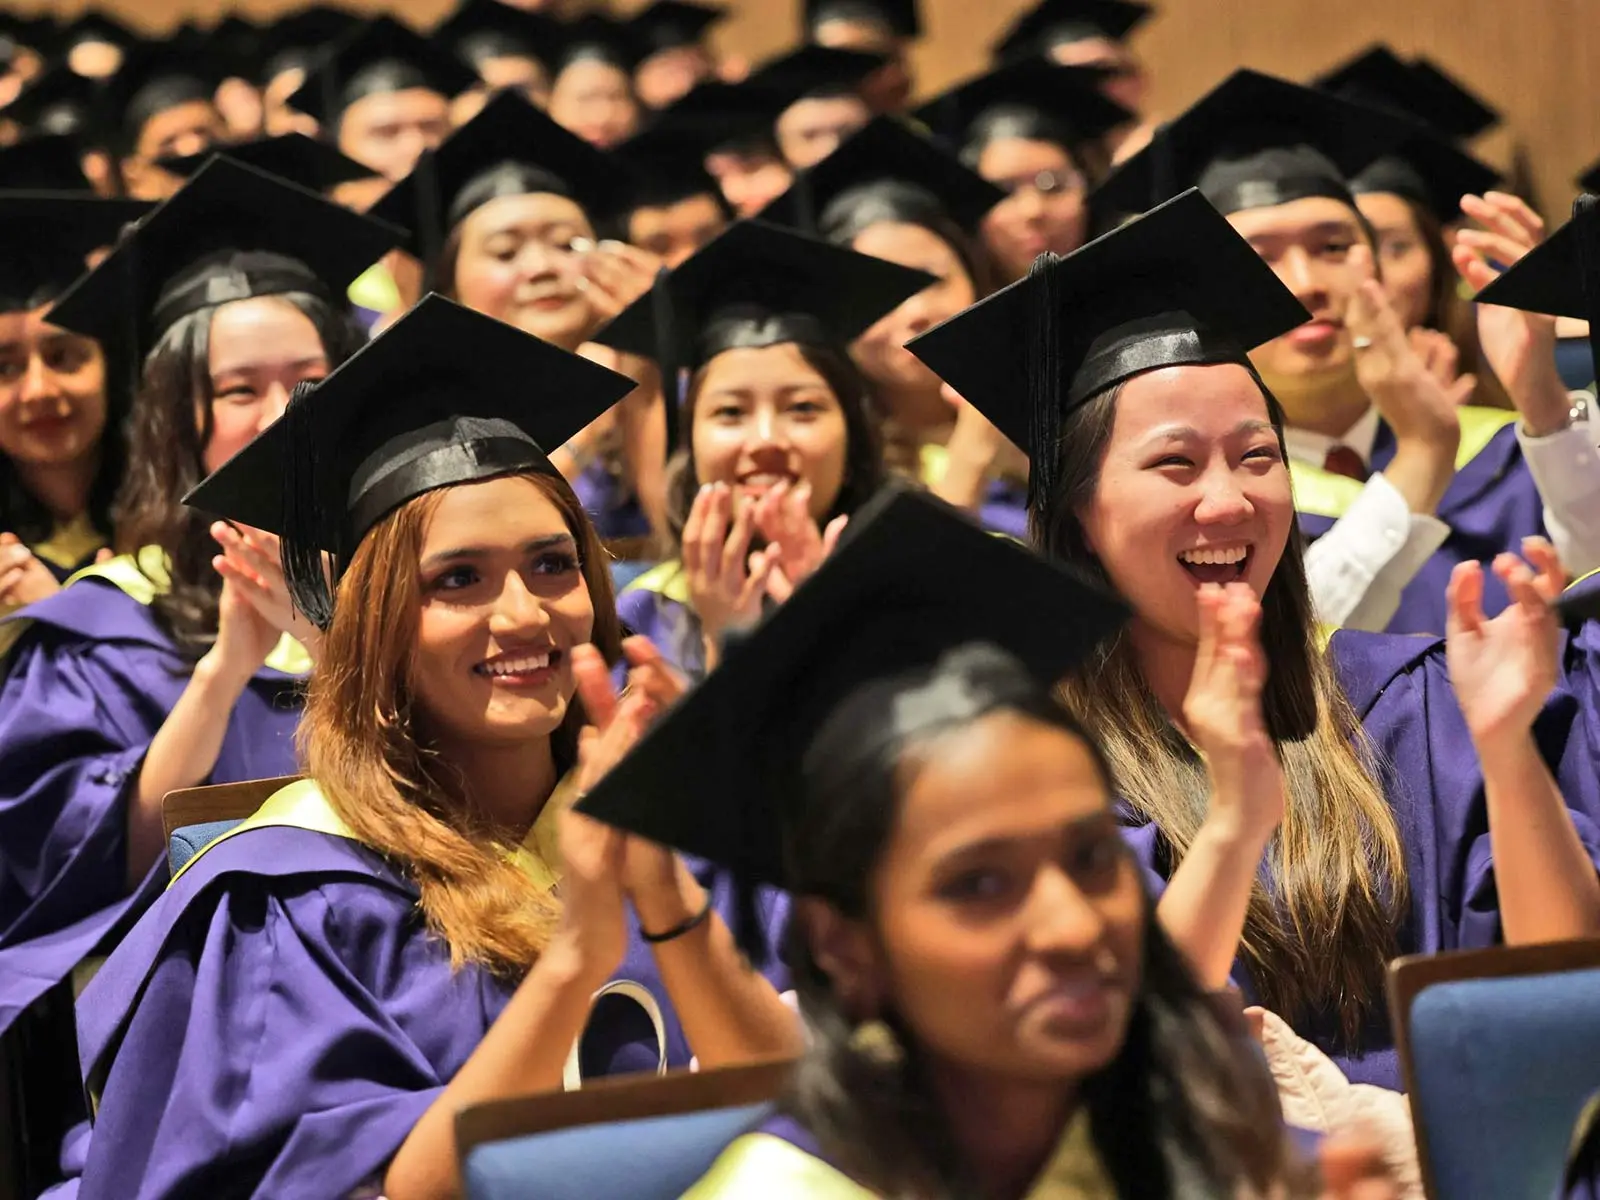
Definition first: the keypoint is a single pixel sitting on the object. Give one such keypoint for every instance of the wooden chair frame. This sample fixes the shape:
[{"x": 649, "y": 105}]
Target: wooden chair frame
[
  {"x": 1413, "y": 974},
  {"x": 625, "y": 1098},
  {"x": 218, "y": 802}
]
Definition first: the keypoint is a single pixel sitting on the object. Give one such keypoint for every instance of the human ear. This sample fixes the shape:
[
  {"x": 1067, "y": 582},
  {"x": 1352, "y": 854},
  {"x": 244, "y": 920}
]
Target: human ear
[{"x": 847, "y": 954}]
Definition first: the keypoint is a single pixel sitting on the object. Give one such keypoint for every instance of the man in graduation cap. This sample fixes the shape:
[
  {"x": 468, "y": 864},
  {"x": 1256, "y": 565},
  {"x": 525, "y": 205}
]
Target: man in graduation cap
[
  {"x": 162, "y": 103},
  {"x": 510, "y": 51},
  {"x": 591, "y": 87},
  {"x": 886, "y": 27},
  {"x": 728, "y": 127},
  {"x": 675, "y": 207},
  {"x": 674, "y": 54},
  {"x": 1387, "y": 463},
  {"x": 818, "y": 91}
]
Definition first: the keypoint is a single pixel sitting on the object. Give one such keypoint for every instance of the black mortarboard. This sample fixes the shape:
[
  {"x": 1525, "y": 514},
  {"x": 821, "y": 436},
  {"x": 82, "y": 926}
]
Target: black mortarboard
[
  {"x": 1589, "y": 179},
  {"x": 301, "y": 160},
  {"x": 443, "y": 396},
  {"x": 381, "y": 56},
  {"x": 60, "y": 102},
  {"x": 509, "y": 149},
  {"x": 46, "y": 236},
  {"x": 669, "y": 24},
  {"x": 1430, "y": 171},
  {"x": 235, "y": 45},
  {"x": 149, "y": 280},
  {"x": 48, "y": 163},
  {"x": 1058, "y": 22},
  {"x": 667, "y": 166},
  {"x": 1559, "y": 277},
  {"x": 1255, "y": 141},
  {"x": 901, "y": 18},
  {"x": 1381, "y": 78},
  {"x": 599, "y": 38},
  {"x": 722, "y": 116},
  {"x": 297, "y": 39},
  {"x": 719, "y": 775},
  {"x": 885, "y": 155},
  {"x": 483, "y": 29},
  {"x": 155, "y": 77},
  {"x": 40, "y": 34},
  {"x": 1066, "y": 97},
  {"x": 1176, "y": 286},
  {"x": 814, "y": 71}
]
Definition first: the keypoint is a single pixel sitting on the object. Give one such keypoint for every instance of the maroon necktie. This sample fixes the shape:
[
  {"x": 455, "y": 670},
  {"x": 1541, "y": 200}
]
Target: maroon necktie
[{"x": 1344, "y": 461}]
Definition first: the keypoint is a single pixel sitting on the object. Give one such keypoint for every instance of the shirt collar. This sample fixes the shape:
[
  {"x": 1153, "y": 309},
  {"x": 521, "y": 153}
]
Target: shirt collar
[{"x": 1308, "y": 446}]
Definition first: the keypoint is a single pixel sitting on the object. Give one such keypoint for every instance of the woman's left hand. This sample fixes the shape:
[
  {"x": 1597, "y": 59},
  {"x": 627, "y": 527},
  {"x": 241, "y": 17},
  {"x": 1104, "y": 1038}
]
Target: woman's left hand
[
  {"x": 251, "y": 561},
  {"x": 1503, "y": 668},
  {"x": 24, "y": 579},
  {"x": 797, "y": 546},
  {"x": 614, "y": 275}
]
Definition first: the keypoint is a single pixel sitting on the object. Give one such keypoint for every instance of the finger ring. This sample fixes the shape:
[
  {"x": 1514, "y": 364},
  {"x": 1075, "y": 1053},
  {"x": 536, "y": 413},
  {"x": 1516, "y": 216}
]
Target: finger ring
[{"x": 1361, "y": 343}]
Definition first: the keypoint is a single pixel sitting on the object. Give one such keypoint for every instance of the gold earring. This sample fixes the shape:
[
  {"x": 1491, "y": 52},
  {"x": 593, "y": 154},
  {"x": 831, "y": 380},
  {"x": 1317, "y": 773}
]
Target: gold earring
[{"x": 875, "y": 1041}]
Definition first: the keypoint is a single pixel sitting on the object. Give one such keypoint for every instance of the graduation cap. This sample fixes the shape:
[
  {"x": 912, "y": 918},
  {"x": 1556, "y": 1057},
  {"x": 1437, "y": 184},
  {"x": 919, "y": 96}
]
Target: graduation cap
[
  {"x": 444, "y": 396},
  {"x": 1420, "y": 89},
  {"x": 1176, "y": 286},
  {"x": 1255, "y": 141},
  {"x": 882, "y": 157},
  {"x": 595, "y": 37},
  {"x": 48, "y": 163},
  {"x": 814, "y": 71},
  {"x": 1055, "y": 23},
  {"x": 898, "y": 18},
  {"x": 718, "y": 116},
  {"x": 156, "y": 77},
  {"x": 671, "y": 24},
  {"x": 60, "y": 102},
  {"x": 1559, "y": 277},
  {"x": 298, "y": 38},
  {"x": 485, "y": 29},
  {"x": 721, "y": 774},
  {"x": 1430, "y": 171},
  {"x": 300, "y": 159},
  {"x": 667, "y": 165},
  {"x": 1068, "y": 98},
  {"x": 235, "y": 46},
  {"x": 46, "y": 236},
  {"x": 380, "y": 57},
  {"x": 152, "y": 279},
  {"x": 509, "y": 149}
]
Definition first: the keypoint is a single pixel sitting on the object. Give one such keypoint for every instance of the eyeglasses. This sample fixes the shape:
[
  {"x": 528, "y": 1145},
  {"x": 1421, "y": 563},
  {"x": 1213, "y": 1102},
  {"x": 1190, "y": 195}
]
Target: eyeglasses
[{"x": 1046, "y": 183}]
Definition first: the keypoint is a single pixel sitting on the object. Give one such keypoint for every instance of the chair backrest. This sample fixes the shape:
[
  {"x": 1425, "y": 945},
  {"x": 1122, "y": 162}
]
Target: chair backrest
[
  {"x": 640, "y": 1137},
  {"x": 185, "y": 843},
  {"x": 219, "y": 802},
  {"x": 1500, "y": 1050}
]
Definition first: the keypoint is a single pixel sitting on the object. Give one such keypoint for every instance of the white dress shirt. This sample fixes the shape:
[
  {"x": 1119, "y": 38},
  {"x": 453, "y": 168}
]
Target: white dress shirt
[{"x": 1566, "y": 469}]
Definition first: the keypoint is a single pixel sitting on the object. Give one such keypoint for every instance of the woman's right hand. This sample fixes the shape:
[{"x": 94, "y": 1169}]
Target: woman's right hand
[
  {"x": 1222, "y": 713},
  {"x": 244, "y": 639},
  {"x": 726, "y": 581}
]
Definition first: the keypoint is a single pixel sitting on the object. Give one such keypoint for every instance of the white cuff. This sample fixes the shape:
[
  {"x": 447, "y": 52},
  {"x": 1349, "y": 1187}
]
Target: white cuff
[
  {"x": 1566, "y": 469},
  {"x": 1358, "y": 569}
]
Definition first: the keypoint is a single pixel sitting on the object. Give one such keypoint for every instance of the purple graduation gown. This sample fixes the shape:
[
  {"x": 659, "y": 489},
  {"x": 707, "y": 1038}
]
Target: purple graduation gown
[
  {"x": 281, "y": 1018},
  {"x": 1490, "y": 506},
  {"x": 87, "y": 684},
  {"x": 656, "y": 606},
  {"x": 1005, "y": 509},
  {"x": 610, "y": 503},
  {"x": 1430, "y": 773}
]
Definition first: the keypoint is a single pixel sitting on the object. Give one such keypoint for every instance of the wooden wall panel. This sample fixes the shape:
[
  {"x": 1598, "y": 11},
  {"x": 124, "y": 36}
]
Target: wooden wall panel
[{"x": 1536, "y": 59}]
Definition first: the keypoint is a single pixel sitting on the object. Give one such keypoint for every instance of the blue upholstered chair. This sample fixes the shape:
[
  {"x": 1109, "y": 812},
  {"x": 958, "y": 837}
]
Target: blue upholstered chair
[
  {"x": 640, "y": 1138},
  {"x": 193, "y": 817},
  {"x": 1501, "y": 1050},
  {"x": 1575, "y": 362}
]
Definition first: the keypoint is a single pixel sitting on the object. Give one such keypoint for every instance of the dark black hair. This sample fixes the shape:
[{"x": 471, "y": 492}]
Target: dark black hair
[
  {"x": 1183, "y": 1098},
  {"x": 156, "y": 97},
  {"x": 1005, "y": 121}
]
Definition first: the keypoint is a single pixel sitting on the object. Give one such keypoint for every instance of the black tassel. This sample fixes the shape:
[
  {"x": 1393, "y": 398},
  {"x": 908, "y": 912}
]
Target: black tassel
[
  {"x": 805, "y": 203},
  {"x": 1589, "y": 262},
  {"x": 430, "y": 219},
  {"x": 303, "y": 504},
  {"x": 1045, "y": 396},
  {"x": 668, "y": 354}
]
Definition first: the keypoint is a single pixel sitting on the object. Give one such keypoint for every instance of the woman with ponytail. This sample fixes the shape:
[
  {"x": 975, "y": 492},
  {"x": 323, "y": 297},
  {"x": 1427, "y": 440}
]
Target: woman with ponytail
[{"x": 420, "y": 924}]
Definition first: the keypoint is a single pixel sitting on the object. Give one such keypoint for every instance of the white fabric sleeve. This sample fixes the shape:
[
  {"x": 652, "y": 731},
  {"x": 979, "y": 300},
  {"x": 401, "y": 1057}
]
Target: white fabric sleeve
[
  {"x": 1358, "y": 569},
  {"x": 1566, "y": 469}
]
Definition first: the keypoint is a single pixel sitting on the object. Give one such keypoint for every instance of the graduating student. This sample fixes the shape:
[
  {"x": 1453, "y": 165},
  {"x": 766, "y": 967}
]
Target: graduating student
[
  {"x": 62, "y": 398},
  {"x": 891, "y": 193},
  {"x": 1414, "y": 198},
  {"x": 674, "y": 207},
  {"x": 167, "y": 667},
  {"x": 1416, "y": 821},
  {"x": 674, "y": 56},
  {"x": 591, "y": 88},
  {"x": 161, "y": 103},
  {"x": 61, "y": 104},
  {"x": 817, "y": 91},
  {"x": 1394, "y": 478},
  {"x": 305, "y": 161},
  {"x": 504, "y": 216},
  {"x": 509, "y": 50},
  {"x": 887, "y": 27},
  {"x": 420, "y": 924},
  {"x": 1032, "y": 129},
  {"x": 991, "y": 1008},
  {"x": 729, "y": 127},
  {"x": 778, "y": 440},
  {"x": 290, "y": 47}
]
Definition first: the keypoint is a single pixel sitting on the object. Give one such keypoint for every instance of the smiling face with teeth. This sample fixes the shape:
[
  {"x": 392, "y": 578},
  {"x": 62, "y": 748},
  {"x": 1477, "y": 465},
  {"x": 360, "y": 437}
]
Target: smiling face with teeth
[
  {"x": 1192, "y": 489},
  {"x": 504, "y": 601}
]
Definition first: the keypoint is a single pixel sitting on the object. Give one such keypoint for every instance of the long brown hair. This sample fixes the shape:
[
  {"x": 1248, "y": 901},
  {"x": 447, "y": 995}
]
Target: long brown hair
[
  {"x": 1320, "y": 937},
  {"x": 360, "y": 742}
]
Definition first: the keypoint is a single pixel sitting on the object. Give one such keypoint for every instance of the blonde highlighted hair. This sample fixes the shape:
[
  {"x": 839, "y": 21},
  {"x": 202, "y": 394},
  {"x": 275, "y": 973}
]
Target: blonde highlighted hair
[{"x": 359, "y": 741}]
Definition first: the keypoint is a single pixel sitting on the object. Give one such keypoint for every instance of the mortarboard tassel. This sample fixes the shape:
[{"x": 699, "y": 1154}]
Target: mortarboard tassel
[
  {"x": 667, "y": 354},
  {"x": 303, "y": 570},
  {"x": 1044, "y": 386},
  {"x": 430, "y": 218},
  {"x": 1589, "y": 263}
]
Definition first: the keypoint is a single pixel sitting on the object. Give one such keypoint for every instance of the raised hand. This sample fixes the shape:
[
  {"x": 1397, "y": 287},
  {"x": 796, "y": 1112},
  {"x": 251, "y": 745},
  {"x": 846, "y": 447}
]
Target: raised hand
[
  {"x": 244, "y": 639},
  {"x": 796, "y": 547},
  {"x": 1519, "y": 346},
  {"x": 250, "y": 561},
  {"x": 726, "y": 581},
  {"x": 614, "y": 275},
  {"x": 1222, "y": 712},
  {"x": 1442, "y": 360},
  {"x": 23, "y": 578},
  {"x": 1502, "y": 669}
]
